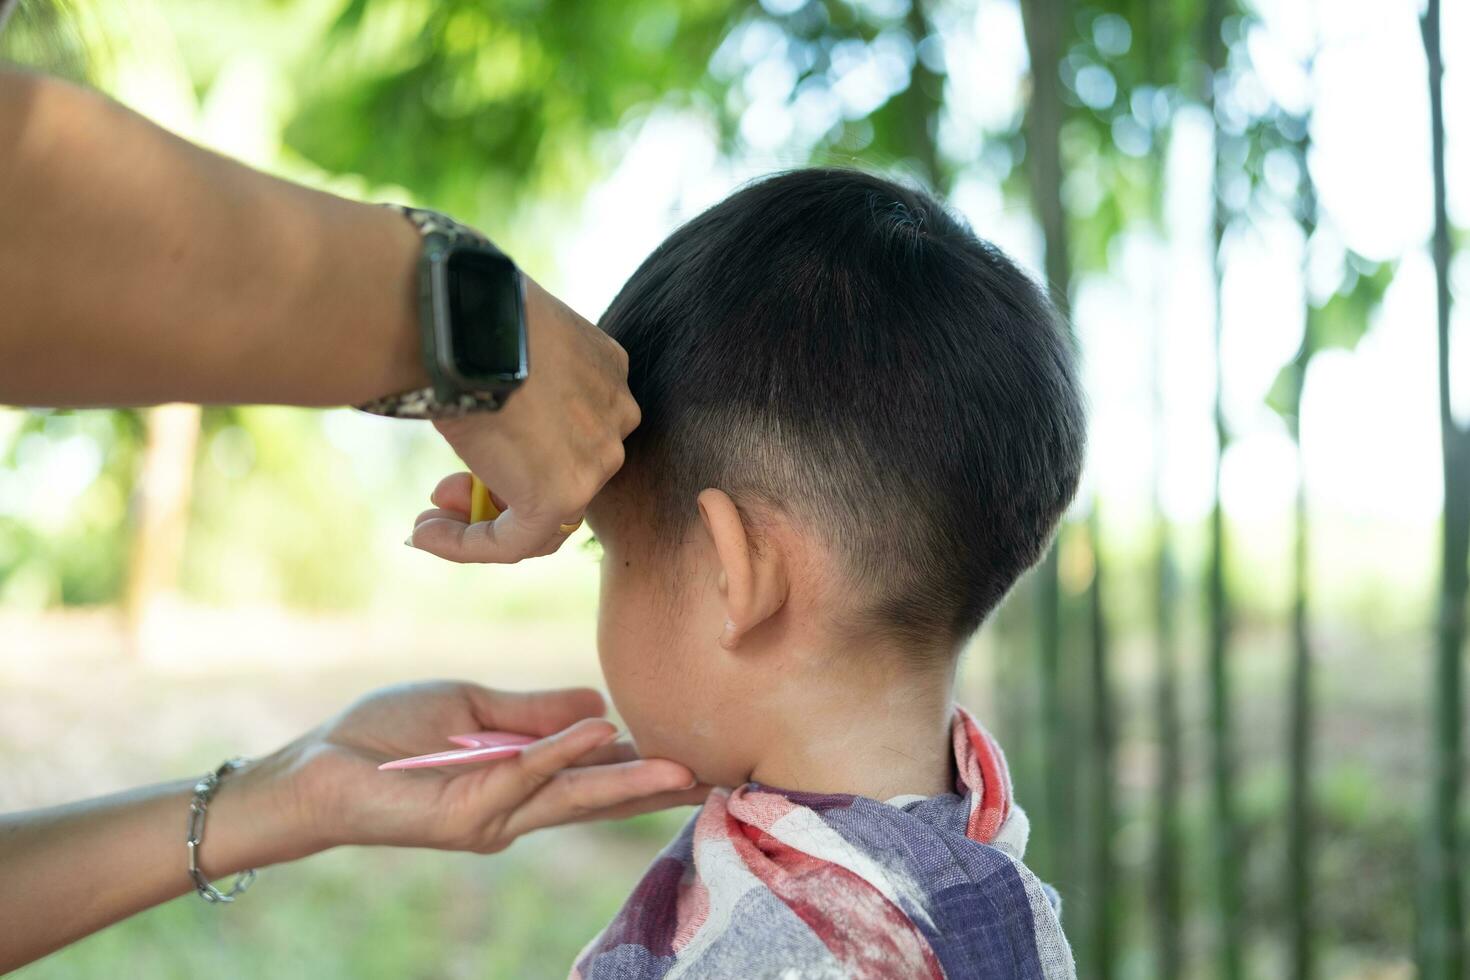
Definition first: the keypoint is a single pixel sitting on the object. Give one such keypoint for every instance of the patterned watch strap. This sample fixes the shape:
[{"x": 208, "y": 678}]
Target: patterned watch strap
[
  {"x": 424, "y": 403},
  {"x": 431, "y": 223}
]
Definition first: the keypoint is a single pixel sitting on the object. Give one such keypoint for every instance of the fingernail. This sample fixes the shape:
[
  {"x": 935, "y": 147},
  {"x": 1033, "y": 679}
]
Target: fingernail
[
  {"x": 692, "y": 783},
  {"x": 408, "y": 540},
  {"x": 610, "y": 737},
  {"x": 728, "y": 635}
]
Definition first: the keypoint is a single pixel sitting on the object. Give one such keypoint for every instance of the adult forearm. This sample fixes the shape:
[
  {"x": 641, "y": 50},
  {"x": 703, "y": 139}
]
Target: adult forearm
[
  {"x": 71, "y": 870},
  {"x": 137, "y": 268}
]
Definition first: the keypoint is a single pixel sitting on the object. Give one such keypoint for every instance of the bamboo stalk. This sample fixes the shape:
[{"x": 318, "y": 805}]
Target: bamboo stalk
[
  {"x": 1222, "y": 775},
  {"x": 1167, "y": 870},
  {"x": 1300, "y": 809},
  {"x": 1168, "y": 847},
  {"x": 1105, "y": 904},
  {"x": 922, "y": 101},
  {"x": 1442, "y": 921},
  {"x": 1043, "y": 20}
]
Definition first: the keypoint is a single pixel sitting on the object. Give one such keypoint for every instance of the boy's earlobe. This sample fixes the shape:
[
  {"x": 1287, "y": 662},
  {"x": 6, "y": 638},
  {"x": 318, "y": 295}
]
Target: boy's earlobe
[{"x": 752, "y": 581}]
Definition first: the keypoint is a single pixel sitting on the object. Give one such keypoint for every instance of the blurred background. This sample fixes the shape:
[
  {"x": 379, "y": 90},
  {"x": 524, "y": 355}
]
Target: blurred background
[{"x": 1232, "y": 696}]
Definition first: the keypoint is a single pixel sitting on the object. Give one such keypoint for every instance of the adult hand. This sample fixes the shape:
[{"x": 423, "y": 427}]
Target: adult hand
[
  {"x": 262, "y": 308},
  {"x": 577, "y": 771},
  {"x": 104, "y": 859},
  {"x": 546, "y": 453}
]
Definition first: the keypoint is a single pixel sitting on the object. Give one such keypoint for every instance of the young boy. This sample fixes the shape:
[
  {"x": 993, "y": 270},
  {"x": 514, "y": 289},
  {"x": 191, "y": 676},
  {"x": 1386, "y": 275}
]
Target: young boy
[{"x": 860, "y": 425}]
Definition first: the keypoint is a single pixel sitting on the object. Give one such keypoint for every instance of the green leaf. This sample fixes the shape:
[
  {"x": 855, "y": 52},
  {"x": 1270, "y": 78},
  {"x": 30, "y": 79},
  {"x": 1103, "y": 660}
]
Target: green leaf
[
  {"x": 1284, "y": 396},
  {"x": 1341, "y": 322}
]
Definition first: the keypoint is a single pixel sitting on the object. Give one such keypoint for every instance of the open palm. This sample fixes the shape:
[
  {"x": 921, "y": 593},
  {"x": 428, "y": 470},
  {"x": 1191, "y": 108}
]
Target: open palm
[{"x": 576, "y": 771}]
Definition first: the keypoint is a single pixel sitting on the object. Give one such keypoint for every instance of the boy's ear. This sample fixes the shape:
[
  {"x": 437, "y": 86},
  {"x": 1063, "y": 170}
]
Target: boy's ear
[{"x": 752, "y": 581}]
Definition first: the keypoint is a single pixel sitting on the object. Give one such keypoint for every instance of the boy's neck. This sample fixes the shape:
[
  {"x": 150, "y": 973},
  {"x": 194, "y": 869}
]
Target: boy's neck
[{"x": 864, "y": 725}]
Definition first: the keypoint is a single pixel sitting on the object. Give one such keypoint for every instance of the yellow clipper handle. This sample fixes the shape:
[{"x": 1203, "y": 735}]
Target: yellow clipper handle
[{"x": 482, "y": 508}]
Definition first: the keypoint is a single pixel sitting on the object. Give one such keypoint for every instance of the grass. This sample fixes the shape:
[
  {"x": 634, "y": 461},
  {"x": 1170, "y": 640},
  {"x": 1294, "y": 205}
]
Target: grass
[{"x": 391, "y": 914}]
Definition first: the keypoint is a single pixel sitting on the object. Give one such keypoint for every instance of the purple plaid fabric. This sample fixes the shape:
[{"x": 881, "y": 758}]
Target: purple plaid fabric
[{"x": 771, "y": 883}]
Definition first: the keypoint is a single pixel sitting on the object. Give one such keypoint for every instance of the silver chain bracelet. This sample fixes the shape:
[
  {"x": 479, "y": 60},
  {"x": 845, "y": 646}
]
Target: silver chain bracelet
[{"x": 204, "y": 791}]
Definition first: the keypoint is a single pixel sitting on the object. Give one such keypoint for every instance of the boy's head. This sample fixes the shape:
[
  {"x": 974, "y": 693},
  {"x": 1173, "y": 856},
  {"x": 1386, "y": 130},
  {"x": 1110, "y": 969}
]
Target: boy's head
[{"x": 861, "y": 424}]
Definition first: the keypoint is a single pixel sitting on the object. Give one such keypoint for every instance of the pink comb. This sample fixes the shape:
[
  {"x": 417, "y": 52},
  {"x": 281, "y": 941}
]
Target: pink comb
[
  {"x": 489, "y": 740},
  {"x": 478, "y": 747}
]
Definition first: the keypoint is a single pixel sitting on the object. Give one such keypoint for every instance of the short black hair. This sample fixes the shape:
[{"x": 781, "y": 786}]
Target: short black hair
[{"x": 839, "y": 347}]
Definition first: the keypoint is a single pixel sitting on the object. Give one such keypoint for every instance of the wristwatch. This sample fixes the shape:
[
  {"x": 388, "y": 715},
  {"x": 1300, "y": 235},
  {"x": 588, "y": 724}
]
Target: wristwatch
[{"x": 472, "y": 320}]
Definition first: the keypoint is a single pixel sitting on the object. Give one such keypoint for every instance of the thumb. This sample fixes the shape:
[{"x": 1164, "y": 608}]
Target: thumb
[
  {"x": 503, "y": 541},
  {"x": 515, "y": 532}
]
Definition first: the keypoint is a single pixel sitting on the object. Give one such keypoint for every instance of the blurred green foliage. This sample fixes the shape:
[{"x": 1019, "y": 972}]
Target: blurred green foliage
[
  {"x": 81, "y": 560},
  {"x": 49, "y": 35},
  {"x": 472, "y": 104},
  {"x": 506, "y": 113}
]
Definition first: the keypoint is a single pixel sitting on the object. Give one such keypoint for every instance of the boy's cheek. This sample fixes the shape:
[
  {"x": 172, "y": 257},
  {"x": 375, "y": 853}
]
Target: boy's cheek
[
  {"x": 655, "y": 668},
  {"x": 612, "y": 616},
  {"x": 630, "y": 651},
  {"x": 611, "y": 643}
]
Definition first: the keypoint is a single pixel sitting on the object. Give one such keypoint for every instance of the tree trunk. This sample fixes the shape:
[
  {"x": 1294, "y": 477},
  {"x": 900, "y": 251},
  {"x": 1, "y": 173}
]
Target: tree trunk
[
  {"x": 1227, "y": 838},
  {"x": 161, "y": 513},
  {"x": 1442, "y": 931}
]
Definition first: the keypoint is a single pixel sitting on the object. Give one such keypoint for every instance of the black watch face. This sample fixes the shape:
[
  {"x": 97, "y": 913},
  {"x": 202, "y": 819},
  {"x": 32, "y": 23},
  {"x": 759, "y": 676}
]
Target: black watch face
[{"x": 484, "y": 293}]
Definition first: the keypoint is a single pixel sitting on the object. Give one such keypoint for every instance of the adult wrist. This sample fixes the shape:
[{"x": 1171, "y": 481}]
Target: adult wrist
[
  {"x": 472, "y": 326},
  {"x": 397, "y": 250},
  {"x": 255, "y": 820},
  {"x": 349, "y": 294}
]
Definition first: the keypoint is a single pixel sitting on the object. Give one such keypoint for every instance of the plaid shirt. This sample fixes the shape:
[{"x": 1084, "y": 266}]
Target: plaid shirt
[{"x": 769, "y": 883}]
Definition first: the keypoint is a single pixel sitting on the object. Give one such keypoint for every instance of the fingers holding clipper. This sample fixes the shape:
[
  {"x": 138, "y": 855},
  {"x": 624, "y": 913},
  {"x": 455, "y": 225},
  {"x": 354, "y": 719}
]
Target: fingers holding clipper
[
  {"x": 456, "y": 492},
  {"x": 447, "y": 530},
  {"x": 440, "y": 513},
  {"x": 453, "y": 493},
  {"x": 503, "y": 541}
]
